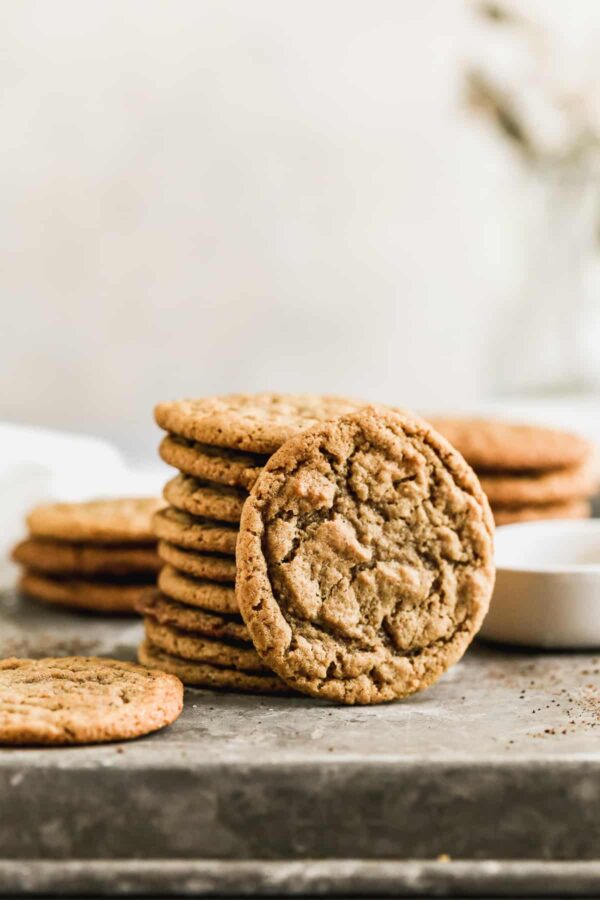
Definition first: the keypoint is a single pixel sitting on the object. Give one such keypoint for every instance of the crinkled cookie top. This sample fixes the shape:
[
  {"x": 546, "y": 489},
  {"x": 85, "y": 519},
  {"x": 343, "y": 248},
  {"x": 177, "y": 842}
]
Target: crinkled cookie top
[{"x": 365, "y": 558}]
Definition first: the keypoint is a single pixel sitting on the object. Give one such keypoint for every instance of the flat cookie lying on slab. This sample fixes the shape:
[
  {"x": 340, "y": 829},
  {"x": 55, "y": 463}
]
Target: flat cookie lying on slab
[
  {"x": 114, "y": 521},
  {"x": 83, "y": 700},
  {"x": 365, "y": 558}
]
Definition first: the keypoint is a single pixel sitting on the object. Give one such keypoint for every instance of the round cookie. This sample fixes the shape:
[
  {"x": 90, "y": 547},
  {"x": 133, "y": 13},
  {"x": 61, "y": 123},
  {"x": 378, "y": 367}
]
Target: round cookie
[
  {"x": 202, "y": 649},
  {"x": 188, "y": 618},
  {"x": 199, "y": 565},
  {"x": 496, "y": 445},
  {"x": 259, "y": 423},
  {"x": 365, "y": 558},
  {"x": 83, "y": 700},
  {"x": 576, "y": 509},
  {"x": 196, "y": 592},
  {"x": 95, "y": 596},
  {"x": 198, "y": 674},
  {"x": 61, "y": 557},
  {"x": 218, "y": 464},
  {"x": 194, "y": 532},
  {"x": 115, "y": 521},
  {"x": 201, "y": 498},
  {"x": 535, "y": 488}
]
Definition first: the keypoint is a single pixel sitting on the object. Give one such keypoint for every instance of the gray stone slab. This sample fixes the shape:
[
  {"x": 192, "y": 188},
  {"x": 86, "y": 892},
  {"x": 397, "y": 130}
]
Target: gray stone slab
[{"x": 498, "y": 765}]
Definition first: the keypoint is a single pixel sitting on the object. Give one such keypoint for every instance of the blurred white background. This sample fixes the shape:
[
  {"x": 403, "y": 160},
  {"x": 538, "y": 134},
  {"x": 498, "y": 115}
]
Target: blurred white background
[{"x": 203, "y": 196}]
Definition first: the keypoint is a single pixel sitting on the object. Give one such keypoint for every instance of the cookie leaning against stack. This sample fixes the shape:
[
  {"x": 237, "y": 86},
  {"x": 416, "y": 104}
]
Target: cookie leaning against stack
[
  {"x": 527, "y": 472},
  {"x": 219, "y": 445},
  {"x": 99, "y": 555}
]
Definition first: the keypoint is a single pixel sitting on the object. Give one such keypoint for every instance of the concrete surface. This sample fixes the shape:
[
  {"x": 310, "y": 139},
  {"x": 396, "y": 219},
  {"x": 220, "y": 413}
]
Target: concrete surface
[{"x": 496, "y": 767}]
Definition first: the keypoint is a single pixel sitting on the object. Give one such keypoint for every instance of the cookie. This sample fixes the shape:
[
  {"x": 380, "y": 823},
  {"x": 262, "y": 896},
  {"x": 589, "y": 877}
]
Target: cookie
[
  {"x": 188, "y": 618},
  {"x": 197, "y": 592},
  {"x": 201, "y": 498},
  {"x": 190, "y": 645},
  {"x": 217, "y": 464},
  {"x": 365, "y": 558},
  {"x": 497, "y": 445},
  {"x": 63, "y": 558},
  {"x": 83, "y": 700},
  {"x": 194, "y": 532},
  {"x": 576, "y": 509},
  {"x": 554, "y": 486},
  {"x": 200, "y": 565},
  {"x": 199, "y": 674},
  {"x": 116, "y": 521},
  {"x": 259, "y": 423},
  {"x": 97, "y": 596}
]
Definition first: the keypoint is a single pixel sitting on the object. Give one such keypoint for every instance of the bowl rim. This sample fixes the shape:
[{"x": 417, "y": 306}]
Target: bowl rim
[{"x": 552, "y": 526}]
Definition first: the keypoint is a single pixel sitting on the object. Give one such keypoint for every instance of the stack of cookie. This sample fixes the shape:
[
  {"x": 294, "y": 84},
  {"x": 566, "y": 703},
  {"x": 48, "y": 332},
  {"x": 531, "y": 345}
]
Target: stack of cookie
[
  {"x": 219, "y": 445},
  {"x": 99, "y": 556},
  {"x": 527, "y": 472}
]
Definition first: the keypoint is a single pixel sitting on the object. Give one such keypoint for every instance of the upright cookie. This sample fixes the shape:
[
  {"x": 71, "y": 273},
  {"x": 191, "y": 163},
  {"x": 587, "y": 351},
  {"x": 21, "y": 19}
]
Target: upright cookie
[
  {"x": 259, "y": 423},
  {"x": 202, "y": 674},
  {"x": 491, "y": 444},
  {"x": 64, "y": 558},
  {"x": 201, "y": 498},
  {"x": 217, "y": 464},
  {"x": 194, "y": 532},
  {"x": 116, "y": 521},
  {"x": 365, "y": 558},
  {"x": 83, "y": 700}
]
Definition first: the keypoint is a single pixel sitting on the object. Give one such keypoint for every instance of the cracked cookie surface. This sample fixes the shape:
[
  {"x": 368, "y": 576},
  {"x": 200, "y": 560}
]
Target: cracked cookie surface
[
  {"x": 365, "y": 558},
  {"x": 81, "y": 700}
]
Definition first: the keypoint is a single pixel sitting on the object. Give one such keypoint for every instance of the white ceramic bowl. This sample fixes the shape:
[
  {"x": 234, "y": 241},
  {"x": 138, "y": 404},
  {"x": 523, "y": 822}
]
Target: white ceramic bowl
[{"x": 547, "y": 590}]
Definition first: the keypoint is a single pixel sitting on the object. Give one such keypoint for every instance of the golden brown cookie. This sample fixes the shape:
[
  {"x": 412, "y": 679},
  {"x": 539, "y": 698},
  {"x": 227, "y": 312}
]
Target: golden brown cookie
[
  {"x": 190, "y": 618},
  {"x": 190, "y": 645},
  {"x": 195, "y": 532},
  {"x": 259, "y": 423},
  {"x": 575, "y": 509},
  {"x": 197, "y": 592},
  {"x": 97, "y": 596},
  {"x": 216, "y": 464},
  {"x": 209, "y": 566},
  {"x": 115, "y": 521},
  {"x": 365, "y": 558},
  {"x": 552, "y": 486},
  {"x": 496, "y": 445},
  {"x": 61, "y": 557},
  {"x": 201, "y": 498},
  {"x": 199, "y": 674},
  {"x": 83, "y": 700}
]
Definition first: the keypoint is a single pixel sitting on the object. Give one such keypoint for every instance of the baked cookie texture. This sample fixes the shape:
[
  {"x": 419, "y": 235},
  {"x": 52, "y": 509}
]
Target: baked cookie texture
[
  {"x": 202, "y": 674},
  {"x": 365, "y": 558},
  {"x": 114, "y": 521},
  {"x": 189, "y": 618},
  {"x": 194, "y": 532},
  {"x": 258, "y": 423},
  {"x": 545, "y": 487},
  {"x": 497, "y": 445},
  {"x": 575, "y": 509},
  {"x": 80, "y": 594},
  {"x": 199, "y": 648},
  {"x": 217, "y": 464},
  {"x": 210, "y": 566},
  {"x": 197, "y": 592},
  {"x": 202, "y": 498},
  {"x": 64, "y": 558},
  {"x": 82, "y": 700}
]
